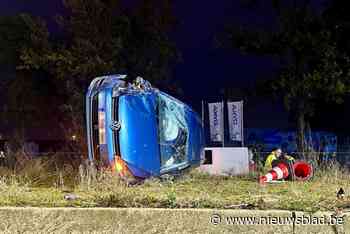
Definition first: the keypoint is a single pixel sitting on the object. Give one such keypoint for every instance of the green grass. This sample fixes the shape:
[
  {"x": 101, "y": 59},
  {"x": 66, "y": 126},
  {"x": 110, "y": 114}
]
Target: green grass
[{"x": 41, "y": 185}]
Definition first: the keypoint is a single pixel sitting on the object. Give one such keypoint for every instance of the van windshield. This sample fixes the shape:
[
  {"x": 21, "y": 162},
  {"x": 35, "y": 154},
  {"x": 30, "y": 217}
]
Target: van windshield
[{"x": 172, "y": 131}]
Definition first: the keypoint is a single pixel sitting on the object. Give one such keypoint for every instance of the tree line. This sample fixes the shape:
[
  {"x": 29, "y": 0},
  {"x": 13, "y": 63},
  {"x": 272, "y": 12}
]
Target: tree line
[
  {"x": 52, "y": 70},
  {"x": 45, "y": 74},
  {"x": 311, "y": 42}
]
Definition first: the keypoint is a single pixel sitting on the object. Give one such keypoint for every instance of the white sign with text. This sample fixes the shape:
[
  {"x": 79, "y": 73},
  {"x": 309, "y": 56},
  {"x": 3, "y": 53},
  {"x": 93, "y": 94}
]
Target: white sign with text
[
  {"x": 216, "y": 121},
  {"x": 235, "y": 119}
]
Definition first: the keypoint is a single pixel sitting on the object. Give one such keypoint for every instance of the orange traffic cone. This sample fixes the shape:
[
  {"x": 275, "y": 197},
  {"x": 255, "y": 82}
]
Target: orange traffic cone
[
  {"x": 300, "y": 170},
  {"x": 280, "y": 171}
]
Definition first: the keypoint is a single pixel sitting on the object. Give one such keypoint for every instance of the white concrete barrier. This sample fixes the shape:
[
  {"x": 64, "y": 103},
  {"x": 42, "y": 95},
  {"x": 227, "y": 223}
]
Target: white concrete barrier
[{"x": 226, "y": 161}]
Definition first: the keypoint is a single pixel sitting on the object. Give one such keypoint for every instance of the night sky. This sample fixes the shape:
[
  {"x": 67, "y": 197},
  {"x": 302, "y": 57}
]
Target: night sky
[
  {"x": 200, "y": 22},
  {"x": 204, "y": 64}
]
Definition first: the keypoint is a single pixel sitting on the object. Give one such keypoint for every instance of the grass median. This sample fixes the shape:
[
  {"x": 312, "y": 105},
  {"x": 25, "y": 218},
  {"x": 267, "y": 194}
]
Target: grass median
[{"x": 39, "y": 185}]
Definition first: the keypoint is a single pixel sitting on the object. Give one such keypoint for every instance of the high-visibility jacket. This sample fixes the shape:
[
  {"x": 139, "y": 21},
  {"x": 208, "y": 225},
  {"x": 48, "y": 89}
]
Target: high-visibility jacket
[
  {"x": 271, "y": 157},
  {"x": 268, "y": 163}
]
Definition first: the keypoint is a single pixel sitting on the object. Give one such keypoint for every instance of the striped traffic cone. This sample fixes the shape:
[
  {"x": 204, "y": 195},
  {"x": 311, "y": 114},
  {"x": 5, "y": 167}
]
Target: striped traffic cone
[{"x": 280, "y": 171}]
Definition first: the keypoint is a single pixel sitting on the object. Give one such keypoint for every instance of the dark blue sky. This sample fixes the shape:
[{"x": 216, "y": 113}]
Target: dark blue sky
[
  {"x": 200, "y": 22},
  {"x": 204, "y": 63},
  {"x": 205, "y": 69}
]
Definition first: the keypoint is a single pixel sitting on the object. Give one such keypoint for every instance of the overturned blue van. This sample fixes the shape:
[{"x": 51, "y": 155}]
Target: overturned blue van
[{"x": 139, "y": 131}]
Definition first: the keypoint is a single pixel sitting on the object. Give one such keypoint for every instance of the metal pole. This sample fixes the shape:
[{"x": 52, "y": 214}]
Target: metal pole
[
  {"x": 242, "y": 121},
  {"x": 205, "y": 137},
  {"x": 223, "y": 123},
  {"x": 203, "y": 114}
]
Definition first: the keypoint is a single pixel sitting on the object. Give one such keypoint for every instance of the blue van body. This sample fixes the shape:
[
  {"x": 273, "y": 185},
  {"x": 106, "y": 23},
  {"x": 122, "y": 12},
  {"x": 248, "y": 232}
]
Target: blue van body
[{"x": 152, "y": 132}]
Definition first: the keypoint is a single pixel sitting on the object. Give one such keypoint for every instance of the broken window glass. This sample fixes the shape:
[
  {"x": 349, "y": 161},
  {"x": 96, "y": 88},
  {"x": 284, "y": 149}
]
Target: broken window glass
[{"x": 172, "y": 130}]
